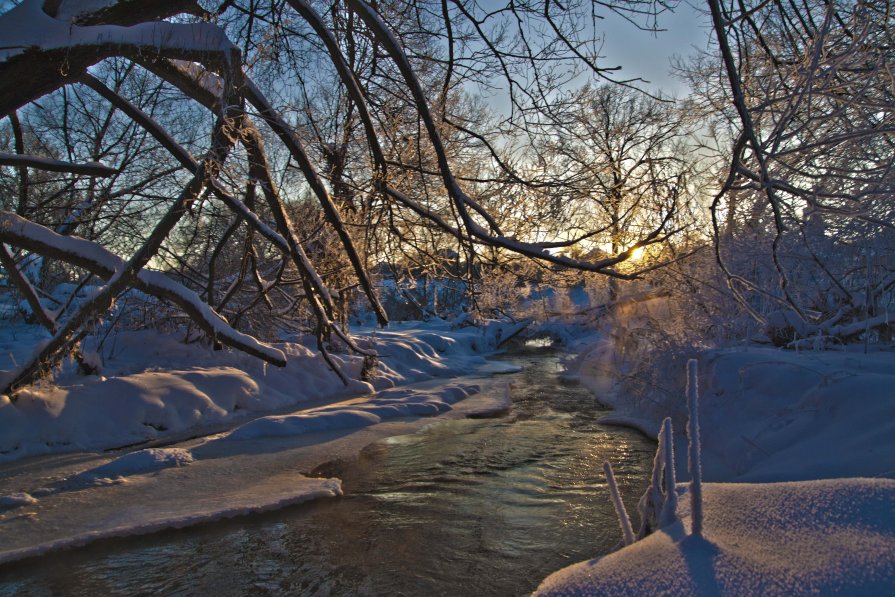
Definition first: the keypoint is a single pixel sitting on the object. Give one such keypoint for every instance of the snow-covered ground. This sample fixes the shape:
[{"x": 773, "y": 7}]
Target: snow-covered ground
[
  {"x": 805, "y": 538},
  {"x": 155, "y": 387},
  {"x": 808, "y": 439},
  {"x": 798, "y": 449}
]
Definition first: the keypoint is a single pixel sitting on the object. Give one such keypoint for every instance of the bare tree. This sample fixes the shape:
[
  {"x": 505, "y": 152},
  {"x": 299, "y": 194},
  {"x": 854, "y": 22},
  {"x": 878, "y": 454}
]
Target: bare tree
[
  {"x": 812, "y": 90},
  {"x": 623, "y": 162},
  {"x": 233, "y": 63}
]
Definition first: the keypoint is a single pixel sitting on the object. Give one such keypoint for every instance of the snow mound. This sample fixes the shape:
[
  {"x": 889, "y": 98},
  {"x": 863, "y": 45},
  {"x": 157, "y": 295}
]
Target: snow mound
[
  {"x": 357, "y": 414},
  {"x": 16, "y": 500},
  {"x": 156, "y": 387},
  {"x": 816, "y": 537},
  {"x": 289, "y": 425},
  {"x": 140, "y": 462}
]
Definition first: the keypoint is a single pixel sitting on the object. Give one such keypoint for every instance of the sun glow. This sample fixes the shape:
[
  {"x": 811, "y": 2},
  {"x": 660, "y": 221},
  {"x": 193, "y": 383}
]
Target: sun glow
[{"x": 637, "y": 254}]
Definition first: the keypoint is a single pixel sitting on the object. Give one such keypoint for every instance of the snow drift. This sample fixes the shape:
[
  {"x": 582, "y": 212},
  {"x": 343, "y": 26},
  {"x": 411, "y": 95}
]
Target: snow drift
[
  {"x": 816, "y": 428},
  {"x": 155, "y": 387}
]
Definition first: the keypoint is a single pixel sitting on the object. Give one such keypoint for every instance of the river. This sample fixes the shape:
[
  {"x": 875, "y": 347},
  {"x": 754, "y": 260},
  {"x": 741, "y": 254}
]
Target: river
[{"x": 462, "y": 507}]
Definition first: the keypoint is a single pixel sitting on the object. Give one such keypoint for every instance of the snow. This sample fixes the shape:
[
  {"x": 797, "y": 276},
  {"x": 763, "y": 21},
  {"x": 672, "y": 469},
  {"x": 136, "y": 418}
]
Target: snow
[
  {"x": 28, "y": 26},
  {"x": 75, "y": 499},
  {"x": 798, "y": 455},
  {"x": 798, "y": 448},
  {"x": 141, "y": 461},
  {"x": 101, "y": 261},
  {"x": 386, "y": 405},
  {"x": 810, "y": 538},
  {"x": 775, "y": 415},
  {"x": 14, "y": 500},
  {"x": 155, "y": 387},
  {"x": 257, "y": 428}
]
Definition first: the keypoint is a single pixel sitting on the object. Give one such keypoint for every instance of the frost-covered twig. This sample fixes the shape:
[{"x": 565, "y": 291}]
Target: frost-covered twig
[
  {"x": 694, "y": 447},
  {"x": 91, "y": 256},
  {"x": 623, "y": 519},
  {"x": 46, "y": 355},
  {"x": 100, "y": 261},
  {"x": 465, "y": 205},
  {"x": 669, "y": 508},
  {"x": 204, "y": 87},
  {"x": 296, "y": 150},
  {"x": 650, "y": 505}
]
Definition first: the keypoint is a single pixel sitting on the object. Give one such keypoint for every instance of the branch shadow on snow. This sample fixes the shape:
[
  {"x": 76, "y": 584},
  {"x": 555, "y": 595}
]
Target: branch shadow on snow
[{"x": 699, "y": 555}]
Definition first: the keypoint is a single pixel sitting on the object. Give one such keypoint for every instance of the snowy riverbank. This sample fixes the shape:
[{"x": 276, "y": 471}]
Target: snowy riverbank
[
  {"x": 808, "y": 438},
  {"x": 156, "y": 388},
  {"x": 66, "y": 498}
]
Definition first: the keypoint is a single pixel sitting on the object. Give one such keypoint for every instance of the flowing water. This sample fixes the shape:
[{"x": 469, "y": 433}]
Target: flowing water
[{"x": 464, "y": 507}]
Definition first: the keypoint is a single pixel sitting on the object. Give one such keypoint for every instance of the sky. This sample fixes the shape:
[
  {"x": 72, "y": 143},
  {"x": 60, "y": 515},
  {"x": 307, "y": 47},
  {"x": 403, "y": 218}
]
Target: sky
[
  {"x": 641, "y": 54},
  {"x": 647, "y": 55}
]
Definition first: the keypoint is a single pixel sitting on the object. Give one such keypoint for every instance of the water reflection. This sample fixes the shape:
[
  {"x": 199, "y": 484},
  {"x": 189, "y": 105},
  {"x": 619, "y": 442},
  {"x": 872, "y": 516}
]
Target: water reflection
[{"x": 471, "y": 507}]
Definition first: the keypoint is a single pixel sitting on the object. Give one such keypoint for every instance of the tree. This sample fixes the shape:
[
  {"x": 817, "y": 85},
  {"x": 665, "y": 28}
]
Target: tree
[
  {"x": 622, "y": 160},
  {"x": 228, "y": 62},
  {"x": 812, "y": 163}
]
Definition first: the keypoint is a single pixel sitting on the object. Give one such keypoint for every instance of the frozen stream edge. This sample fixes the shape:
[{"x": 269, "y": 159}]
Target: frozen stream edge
[{"x": 260, "y": 468}]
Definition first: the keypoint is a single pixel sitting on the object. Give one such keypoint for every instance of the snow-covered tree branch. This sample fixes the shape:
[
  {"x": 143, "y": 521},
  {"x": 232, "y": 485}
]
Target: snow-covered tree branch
[{"x": 135, "y": 55}]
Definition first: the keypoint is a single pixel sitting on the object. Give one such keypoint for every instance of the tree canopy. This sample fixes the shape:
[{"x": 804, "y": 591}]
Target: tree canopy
[{"x": 257, "y": 162}]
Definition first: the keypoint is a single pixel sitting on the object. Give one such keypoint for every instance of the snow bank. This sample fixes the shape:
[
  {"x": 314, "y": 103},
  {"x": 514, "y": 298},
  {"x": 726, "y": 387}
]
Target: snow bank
[
  {"x": 69, "y": 500},
  {"x": 139, "y": 462},
  {"x": 769, "y": 414},
  {"x": 810, "y": 538},
  {"x": 777, "y": 416},
  {"x": 155, "y": 387},
  {"x": 813, "y": 426},
  {"x": 387, "y": 405}
]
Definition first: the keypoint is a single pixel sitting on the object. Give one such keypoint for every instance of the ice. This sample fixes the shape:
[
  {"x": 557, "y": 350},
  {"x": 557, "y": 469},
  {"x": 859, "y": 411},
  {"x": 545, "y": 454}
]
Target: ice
[
  {"x": 15, "y": 500},
  {"x": 141, "y": 461}
]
